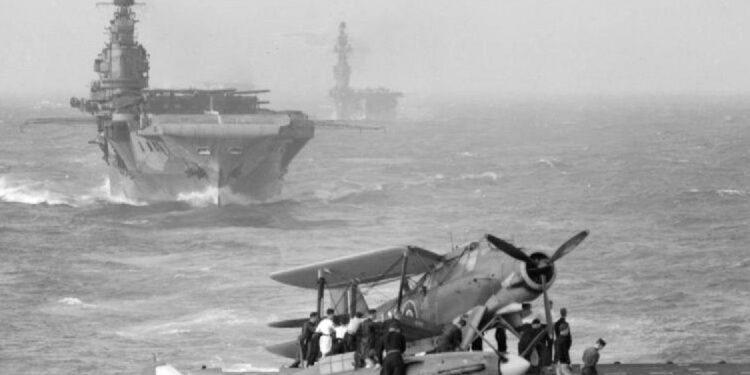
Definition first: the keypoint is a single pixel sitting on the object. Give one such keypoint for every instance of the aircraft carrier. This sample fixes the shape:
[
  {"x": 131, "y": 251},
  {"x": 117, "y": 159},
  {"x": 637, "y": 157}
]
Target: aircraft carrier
[
  {"x": 160, "y": 144},
  {"x": 377, "y": 104}
]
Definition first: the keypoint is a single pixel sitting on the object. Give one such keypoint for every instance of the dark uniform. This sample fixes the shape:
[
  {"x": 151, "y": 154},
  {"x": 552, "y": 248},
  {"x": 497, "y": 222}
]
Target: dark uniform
[
  {"x": 478, "y": 344},
  {"x": 313, "y": 349},
  {"x": 394, "y": 345},
  {"x": 528, "y": 334},
  {"x": 367, "y": 333},
  {"x": 502, "y": 339},
  {"x": 305, "y": 339},
  {"x": 558, "y": 323},
  {"x": 562, "y": 349}
]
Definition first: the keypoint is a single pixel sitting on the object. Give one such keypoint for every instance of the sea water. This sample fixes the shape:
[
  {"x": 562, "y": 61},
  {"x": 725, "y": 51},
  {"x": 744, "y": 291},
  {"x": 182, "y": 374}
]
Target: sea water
[{"x": 92, "y": 283}]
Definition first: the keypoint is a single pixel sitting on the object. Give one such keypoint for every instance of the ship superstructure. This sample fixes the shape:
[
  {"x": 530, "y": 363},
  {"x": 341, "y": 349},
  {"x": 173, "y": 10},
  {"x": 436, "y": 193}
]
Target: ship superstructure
[
  {"x": 351, "y": 104},
  {"x": 160, "y": 143}
]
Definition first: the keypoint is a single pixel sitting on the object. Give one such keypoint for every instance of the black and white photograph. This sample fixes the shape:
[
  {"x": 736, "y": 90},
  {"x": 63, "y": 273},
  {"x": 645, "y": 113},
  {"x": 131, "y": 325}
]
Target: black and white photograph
[{"x": 361, "y": 187}]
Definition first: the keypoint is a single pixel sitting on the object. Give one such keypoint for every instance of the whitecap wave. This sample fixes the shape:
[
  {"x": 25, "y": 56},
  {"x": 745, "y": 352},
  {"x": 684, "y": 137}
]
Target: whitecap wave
[
  {"x": 731, "y": 193},
  {"x": 72, "y": 301},
  {"x": 550, "y": 162},
  {"x": 345, "y": 189},
  {"x": 104, "y": 192},
  {"x": 344, "y": 193},
  {"x": 492, "y": 176},
  {"x": 27, "y": 192},
  {"x": 194, "y": 323},
  {"x": 40, "y": 192},
  {"x": 208, "y": 197}
]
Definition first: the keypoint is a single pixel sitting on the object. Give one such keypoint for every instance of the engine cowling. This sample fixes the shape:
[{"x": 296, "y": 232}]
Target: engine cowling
[
  {"x": 532, "y": 273},
  {"x": 525, "y": 284}
]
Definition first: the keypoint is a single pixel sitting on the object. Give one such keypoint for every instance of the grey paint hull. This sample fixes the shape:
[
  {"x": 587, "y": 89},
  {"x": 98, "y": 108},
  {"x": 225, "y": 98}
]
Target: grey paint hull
[{"x": 173, "y": 168}]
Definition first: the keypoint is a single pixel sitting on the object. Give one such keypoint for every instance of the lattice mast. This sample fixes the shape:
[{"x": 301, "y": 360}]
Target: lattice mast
[{"x": 342, "y": 93}]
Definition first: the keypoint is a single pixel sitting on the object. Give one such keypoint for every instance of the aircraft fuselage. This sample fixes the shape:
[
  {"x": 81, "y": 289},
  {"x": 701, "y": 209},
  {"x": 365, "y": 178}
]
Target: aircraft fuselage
[{"x": 472, "y": 275}]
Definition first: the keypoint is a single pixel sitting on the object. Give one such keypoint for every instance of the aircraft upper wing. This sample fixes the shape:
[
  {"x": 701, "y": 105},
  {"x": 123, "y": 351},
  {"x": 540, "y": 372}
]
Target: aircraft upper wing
[{"x": 377, "y": 265}]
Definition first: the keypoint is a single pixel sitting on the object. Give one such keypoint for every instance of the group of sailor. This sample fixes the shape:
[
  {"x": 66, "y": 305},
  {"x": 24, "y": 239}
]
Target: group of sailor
[
  {"x": 374, "y": 345},
  {"x": 336, "y": 335},
  {"x": 541, "y": 350}
]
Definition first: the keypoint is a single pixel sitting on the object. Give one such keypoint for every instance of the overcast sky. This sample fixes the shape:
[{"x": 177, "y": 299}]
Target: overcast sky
[{"x": 420, "y": 47}]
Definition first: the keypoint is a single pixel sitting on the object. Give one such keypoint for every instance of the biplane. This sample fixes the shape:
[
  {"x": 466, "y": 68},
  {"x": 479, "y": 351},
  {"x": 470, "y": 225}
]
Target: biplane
[{"x": 485, "y": 281}]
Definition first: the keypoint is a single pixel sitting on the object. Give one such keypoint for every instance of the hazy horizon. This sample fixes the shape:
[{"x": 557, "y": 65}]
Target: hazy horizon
[{"x": 422, "y": 48}]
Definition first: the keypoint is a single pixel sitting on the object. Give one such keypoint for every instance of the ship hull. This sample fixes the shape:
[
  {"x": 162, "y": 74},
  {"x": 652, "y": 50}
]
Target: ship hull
[{"x": 230, "y": 163}]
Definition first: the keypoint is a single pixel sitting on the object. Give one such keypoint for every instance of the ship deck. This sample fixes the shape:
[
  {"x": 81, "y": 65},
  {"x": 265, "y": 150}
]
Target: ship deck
[{"x": 664, "y": 369}]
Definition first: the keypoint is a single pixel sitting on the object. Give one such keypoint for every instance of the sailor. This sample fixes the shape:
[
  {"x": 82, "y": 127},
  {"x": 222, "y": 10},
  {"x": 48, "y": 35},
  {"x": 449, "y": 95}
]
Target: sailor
[
  {"x": 313, "y": 349},
  {"x": 305, "y": 337},
  {"x": 351, "y": 340},
  {"x": 367, "y": 333},
  {"x": 591, "y": 357},
  {"x": 545, "y": 351},
  {"x": 450, "y": 340},
  {"x": 563, "y": 314},
  {"x": 501, "y": 338},
  {"x": 394, "y": 346},
  {"x": 478, "y": 344},
  {"x": 340, "y": 332},
  {"x": 529, "y": 332},
  {"x": 562, "y": 349},
  {"x": 326, "y": 332}
]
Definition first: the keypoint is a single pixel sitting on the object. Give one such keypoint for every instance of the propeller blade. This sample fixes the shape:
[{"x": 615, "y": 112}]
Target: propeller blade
[
  {"x": 568, "y": 246},
  {"x": 509, "y": 249},
  {"x": 547, "y": 312}
]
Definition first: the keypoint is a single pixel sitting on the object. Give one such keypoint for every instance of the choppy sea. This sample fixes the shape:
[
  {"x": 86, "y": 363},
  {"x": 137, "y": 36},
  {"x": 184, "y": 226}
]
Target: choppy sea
[{"x": 96, "y": 284}]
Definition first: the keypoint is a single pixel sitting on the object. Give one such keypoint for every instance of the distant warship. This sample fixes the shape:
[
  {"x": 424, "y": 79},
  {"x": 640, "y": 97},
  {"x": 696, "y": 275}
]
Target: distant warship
[
  {"x": 161, "y": 143},
  {"x": 353, "y": 104}
]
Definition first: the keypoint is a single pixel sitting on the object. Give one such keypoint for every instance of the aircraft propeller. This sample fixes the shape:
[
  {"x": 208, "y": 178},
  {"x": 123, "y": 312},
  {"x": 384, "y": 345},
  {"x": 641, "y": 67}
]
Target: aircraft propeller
[{"x": 541, "y": 263}]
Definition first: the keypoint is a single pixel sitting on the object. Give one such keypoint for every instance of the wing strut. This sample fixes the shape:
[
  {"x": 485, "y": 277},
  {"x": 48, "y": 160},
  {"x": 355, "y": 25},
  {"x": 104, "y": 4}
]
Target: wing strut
[
  {"x": 321, "y": 290},
  {"x": 353, "y": 289},
  {"x": 403, "y": 280}
]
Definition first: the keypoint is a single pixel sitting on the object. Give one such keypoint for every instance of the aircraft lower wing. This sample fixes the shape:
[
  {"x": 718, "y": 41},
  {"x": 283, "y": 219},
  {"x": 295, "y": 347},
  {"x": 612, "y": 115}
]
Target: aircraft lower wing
[
  {"x": 288, "y": 349},
  {"x": 289, "y": 323},
  {"x": 377, "y": 265}
]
